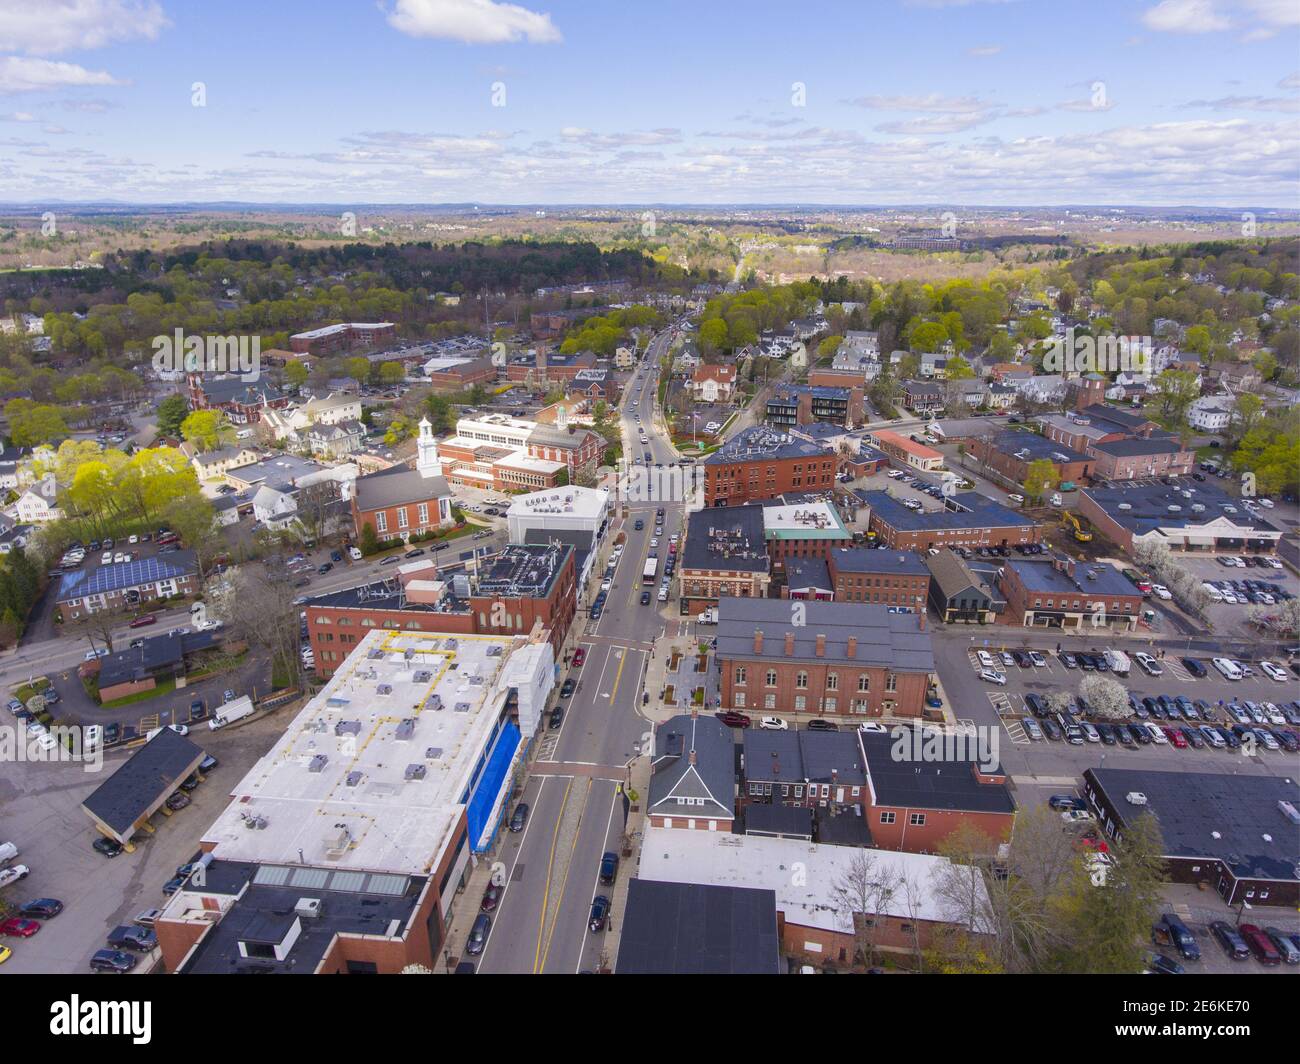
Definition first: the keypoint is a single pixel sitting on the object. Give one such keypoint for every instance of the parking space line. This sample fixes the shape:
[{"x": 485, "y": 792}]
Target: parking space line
[{"x": 1016, "y": 731}]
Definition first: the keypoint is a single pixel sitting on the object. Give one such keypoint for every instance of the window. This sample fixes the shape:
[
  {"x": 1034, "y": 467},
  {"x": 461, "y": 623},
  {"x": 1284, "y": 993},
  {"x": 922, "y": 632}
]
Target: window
[
  {"x": 917, "y": 820},
  {"x": 864, "y": 682},
  {"x": 401, "y": 517},
  {"x": 769, "y": 701},
  {"x": 833, "y": 682},
  {"x": 830, "y": 705},
  {"x": 424, "y": 513},
  {"x": 771, "y": 677},
  {"x": 800, "y": 681},
  {"x": 740, "y": 674},
  {"x": 887, "y": 818},
  {"x": 739, "y": 699},
  {"x": 891, "y": 682},
  {"x": 381, "y": 521},
  {"x": 800, "y": 703}
]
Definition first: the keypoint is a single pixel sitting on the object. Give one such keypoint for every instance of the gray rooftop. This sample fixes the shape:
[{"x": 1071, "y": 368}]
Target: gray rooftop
[
  {"x": 884, "y": 639},
  {"x": 804, "y": 756},
  {"x": 929, "y": 784},
  {"x": 711, "y": 776},
  {"x": 143, "y": 781},
  {"x": 727, "y": 538},
  {"x": 399, "y": 486}
]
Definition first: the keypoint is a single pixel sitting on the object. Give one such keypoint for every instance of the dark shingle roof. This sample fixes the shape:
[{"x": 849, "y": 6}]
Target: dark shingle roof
[
  {"x": 711, "y": 777},
  {"x": 726, "y": 538},
  {"x": 929, "y": 784},
  {"x": 152, "y": 773}
]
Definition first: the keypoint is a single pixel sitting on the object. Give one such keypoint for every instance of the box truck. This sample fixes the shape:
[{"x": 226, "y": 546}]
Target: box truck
[
  {"x": 1118, "y": 662},
  {"x": 232, "y": 711}
]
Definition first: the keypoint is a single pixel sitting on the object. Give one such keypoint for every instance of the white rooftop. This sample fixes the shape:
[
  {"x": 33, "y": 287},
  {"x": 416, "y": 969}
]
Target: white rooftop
[
  {"x": 810, "y": 898},
  {"x": 804, "y": 516},
  {"x": 571, "y": 500},
  {"x": 370, "y": 774}
]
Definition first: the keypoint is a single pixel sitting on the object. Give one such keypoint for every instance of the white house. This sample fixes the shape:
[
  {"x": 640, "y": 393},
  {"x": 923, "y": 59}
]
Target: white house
[
  {"x": 38, "y": 505},
  {"x": 274, "y": 507}
]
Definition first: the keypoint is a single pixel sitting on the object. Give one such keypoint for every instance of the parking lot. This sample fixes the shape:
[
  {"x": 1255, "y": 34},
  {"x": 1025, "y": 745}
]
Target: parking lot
[
  {"x": 1230, "y": 619},
  {"x": 43, "y": 818}
]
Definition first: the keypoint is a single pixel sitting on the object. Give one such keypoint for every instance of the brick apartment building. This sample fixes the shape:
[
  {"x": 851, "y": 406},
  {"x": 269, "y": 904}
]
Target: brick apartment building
[
  {"x": 1135, "y": 459},
  {"x": 541, "y": 368},
  {"x": 881, "y": 577},
  {"x": 761, "y": 463},
  {"x": 242, "y": 402},
  {"x": 801, "y": 404},
  {"x": 522, "y": 586},
  {"x": 913, "y": 804},
  {"x": 845, "y": 660},
  {"x": 462, "y": 376},
  {"x": 802, "y": 530}
]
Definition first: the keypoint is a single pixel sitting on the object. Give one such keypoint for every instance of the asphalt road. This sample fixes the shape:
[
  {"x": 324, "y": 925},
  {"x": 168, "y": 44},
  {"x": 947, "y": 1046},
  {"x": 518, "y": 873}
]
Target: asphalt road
[{"x": 550, "y": 870}]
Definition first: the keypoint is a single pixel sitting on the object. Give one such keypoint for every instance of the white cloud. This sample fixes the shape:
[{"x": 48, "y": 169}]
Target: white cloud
[
  {"x": 1185, "y": 16},
  {"x": 983, "y": 51},
  {"x": 1291, "y": 81},
  {"x": 22, "y": 74},
  {"x": 472, "y": 21},
  {"x": 578, "y": 135},
  {"x": 1250, "y": 103},
  {"x": 51, "y": 26},
  {"x": 932, "y": 104},
  {"x": 18, "y": 116},
  {"x": 937, "y": 125}
]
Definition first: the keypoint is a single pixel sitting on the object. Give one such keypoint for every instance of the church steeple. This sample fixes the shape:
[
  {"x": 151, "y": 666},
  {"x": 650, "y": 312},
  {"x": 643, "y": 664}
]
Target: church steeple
[{"x": 427, "y": 462}]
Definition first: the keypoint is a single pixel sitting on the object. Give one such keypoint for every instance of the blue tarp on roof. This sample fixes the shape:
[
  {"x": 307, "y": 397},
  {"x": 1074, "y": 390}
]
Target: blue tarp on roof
[{"x": 494, "y": 776}]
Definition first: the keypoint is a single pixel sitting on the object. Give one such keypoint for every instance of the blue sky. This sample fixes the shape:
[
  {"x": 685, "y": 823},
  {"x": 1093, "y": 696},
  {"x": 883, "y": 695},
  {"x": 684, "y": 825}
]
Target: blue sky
[{"x": 624, "y": 101}]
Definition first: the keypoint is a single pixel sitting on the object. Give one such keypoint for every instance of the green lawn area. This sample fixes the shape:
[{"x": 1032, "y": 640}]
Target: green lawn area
[{"x": 166, "y": 687}]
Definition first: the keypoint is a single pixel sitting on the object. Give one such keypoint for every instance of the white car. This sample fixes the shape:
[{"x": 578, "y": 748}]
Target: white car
[
  {"x": 993, "y": 676},
  {"x": 654, "y": 542},
  {"x": 106, "y": 558},
  {"x": 207, "y": 625},
  {"x": 1016, "y": 498},
  {"x": 119, "y": 557},
  {"x": 872, "y": 726},
  {"x": 1149, "y": 664},
  {"x": 1161, "y": 592},
  {"x": 1039, "y": 661},
  {"x": 46, "y": 742},
  {"x": 98, "y": 652},
  {"x": 773, "y": 724},
  {"x": 985, "y": 659},
  {"x": 179, "y": 729},
  {"x": 1032, "y": 729},
  {"x": 1075, "y": 816},
  {"x": 1274, "y": 671},
  {"x": 14, "y": 874}
]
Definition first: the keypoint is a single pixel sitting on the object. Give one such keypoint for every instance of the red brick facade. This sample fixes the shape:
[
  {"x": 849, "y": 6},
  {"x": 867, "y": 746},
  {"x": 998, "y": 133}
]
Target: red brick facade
[{"x": 734, "y": 483}]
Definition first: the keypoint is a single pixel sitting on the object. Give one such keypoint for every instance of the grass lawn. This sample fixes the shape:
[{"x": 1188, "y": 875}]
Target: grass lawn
[{"x": 166, "y": 687}]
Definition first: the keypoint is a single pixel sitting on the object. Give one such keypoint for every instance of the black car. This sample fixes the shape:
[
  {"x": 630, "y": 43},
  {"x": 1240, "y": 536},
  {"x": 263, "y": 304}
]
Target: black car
[
  {"x": 1037, "y": 706},
  {"x": 567, "y": 688},
  {"x": 208, "y": 763},
  {"x": 1194, "y": 667},
  {"x": 1023, "y": 659},
  {"x": 1051, "y": 729},
  {"x": 336, "y": 556},
  {"x": 599, "y": 913},
  {"x": 112, "y": 732},
  {"x": 108, "y": 847},
  {"x": 519, "y": 817},
  {"x": 111, "y": 960},
  {"x": 324, "y": 568},
  {"x": 1232, "y": 943},
  {"x": 822, "y": 725},
  {"x": 416, "y": 553},
  {"x": 41, "y": 909},
  {"x": 1170, "y": 930},
  {"x": 608, "y": 867},
  {"x": 1159, "y": 964},
  {"x": 131, "y": 936},
  {"x": 557, "y": 716},
  {"x": 1106, "y": 732},
  {"x": 478, "y": 934},
  {"x": 1194, "y": 738},
  {"x": 645, "y": 598},
  {"x": 1139, "y": 733},
  {"x": 1124, "y": 736},
  {"x": 638, "y": 524},
  {"x": 191, "y": 781}
]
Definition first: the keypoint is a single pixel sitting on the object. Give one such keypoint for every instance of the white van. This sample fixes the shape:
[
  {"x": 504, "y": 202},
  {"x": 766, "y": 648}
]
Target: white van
[
  {"x": 8, "y": 851},
  {"x": 1228, "y": 668}
]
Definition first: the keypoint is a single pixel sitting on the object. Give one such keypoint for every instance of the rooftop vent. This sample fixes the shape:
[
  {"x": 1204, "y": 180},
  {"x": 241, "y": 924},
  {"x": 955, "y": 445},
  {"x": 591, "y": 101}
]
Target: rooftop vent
[
  {"x": 348, "y": 727},
  {"x": 1135, "y": 798},
  {"x": 354, "y": 779},
  {"x": 433, "y": 753},
  {"x": 405, "y": 729},
  {"x": 415, "y": 771},
  {"x": 384, "y": 689},
  {"x": 423, "y": 676},
  {"x": 317, "y": 763}
]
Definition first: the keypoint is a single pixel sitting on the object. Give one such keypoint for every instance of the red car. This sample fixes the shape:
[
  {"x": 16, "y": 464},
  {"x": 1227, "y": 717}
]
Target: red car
[
  {"x": 143, "y": 621},
  {"x": 733, "y": 719},
  {"x": 1176, "y": 737},
  {"x": 579, "y": 656},
  {"x": 17, "y": 927},
  {"x": 1260, "y": 944}
]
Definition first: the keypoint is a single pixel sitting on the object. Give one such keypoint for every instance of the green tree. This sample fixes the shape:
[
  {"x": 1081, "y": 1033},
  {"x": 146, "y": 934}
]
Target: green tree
[
  {"x": 171, "y": 412},
  {"x": 206, "y": 429},
  {"x": 1041, "y": 477},
  {"x": 391, "y": 373},
  {"x": 296, "y": 374}
]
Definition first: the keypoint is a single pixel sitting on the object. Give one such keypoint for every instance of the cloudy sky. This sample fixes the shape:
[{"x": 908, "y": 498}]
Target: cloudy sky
[{"x": 1155, "y": 102}]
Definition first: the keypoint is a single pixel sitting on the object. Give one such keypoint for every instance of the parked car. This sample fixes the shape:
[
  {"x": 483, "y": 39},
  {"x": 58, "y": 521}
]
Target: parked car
[
  {"x": 144, "y": 620},
  {"x": 41, "y": 909},
  {"x": 733, "y": 719},
  {"x": 1263, "y": 947},
  {"x": 17, "y": 927},
  {"x": 773, "y": 724},
  {"x": 993, "y": 676},
  {"x": 608, "y": 867},
  {"x": 599, "y": 913},
  {"x": 132, "y": 936},
  {"x": 178, "y": 801},
  {"x": 519, "y": 817},
  {"x": 1067, "y": 801},
  {"x": 112, "y": 960},
  {"x": 491, "y": 896},
  {"x": 108, "y": 847},
  {"x": 1230, "y": 941},
  {"x": 478, "y": 934},
  {"x": 1159, "y": 964},
  {"x": 1171, "y": 931}
]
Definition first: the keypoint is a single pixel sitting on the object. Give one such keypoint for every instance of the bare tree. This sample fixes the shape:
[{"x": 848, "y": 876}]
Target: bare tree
[
  {"x": 268, "y": 618},
  {"x": 865, "y": 893},
  {"x": 1106, "y": 697}
]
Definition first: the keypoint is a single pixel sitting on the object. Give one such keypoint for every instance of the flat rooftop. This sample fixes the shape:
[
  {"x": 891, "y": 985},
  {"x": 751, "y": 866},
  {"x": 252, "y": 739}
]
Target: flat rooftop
[
  {"x": 759, "y": 443},
  {"x": 1090, "y": 578},
  {"x": 570, "y": 501},
  {"x": 726, "y": 538},
  {"x": 929, "y": 784},
  {"x": 1149, "y": 504},
  {"x": 523, "y": 570},
  {"x": 1233, "y": 818},
  {"x": 1029, "y": 446},
  {"x": 870, "y": 560},
  {"x": 815, "y": 520},
  {"x": 969, "y": 509},
  {"x": 373, "y": 773}
]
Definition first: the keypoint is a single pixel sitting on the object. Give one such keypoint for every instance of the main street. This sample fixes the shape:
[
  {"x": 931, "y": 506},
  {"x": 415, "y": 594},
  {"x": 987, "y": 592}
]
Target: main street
[{"x": 550, "y": 871}]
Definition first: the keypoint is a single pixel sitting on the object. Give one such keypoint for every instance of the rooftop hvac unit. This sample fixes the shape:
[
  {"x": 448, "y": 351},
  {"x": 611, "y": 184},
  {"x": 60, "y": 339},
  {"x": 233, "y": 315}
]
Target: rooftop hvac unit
[
  {"x": 375, "y": 655},
  {"x": 408, "y": 653},
  {"x": 462, "y": 707},
  {"x": 422, "y": 676},
  {"x": 337, "y": 842},
  {"x": 1126, "y": 506},
  {"x": 405, "y": 729},
  {"x": 384, "y": 689},
  {"x": 348, "y": 727},
  {"x": 415, "y": 771},
  {"x": 317, "y": 763},
  {"x": 494, "y": 651},
  {"x": 1135, "y": 798},
  {"x": 354, "y": 779},
  {"x": 434, "y": 702},
  {"x": 308, "y": 908},
  {"x": 433, "y": 753},
  {"x": 452, "y": 644}
]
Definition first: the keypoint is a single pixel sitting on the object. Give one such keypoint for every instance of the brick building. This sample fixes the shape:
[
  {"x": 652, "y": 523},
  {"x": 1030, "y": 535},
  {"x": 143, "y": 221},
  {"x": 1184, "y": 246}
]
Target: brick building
[
  {"x": 802, "y": 530},
  {"x": 724, "y": 556},
  {"x": 242, "y": 402},
  {"x": 881, "y": 577},
  {"x": 797, "y": 404},
  {"x": 907, "y": 452},
  {"x": 331, "y": 338},
  {"x": 522, "y": 587},
  {"x": 400, "y": 502},
  {"x": 1072, "y": 596},
  {"x": 761, "y": 463},
  {"x": 1011, "y": 453},
  {"x": 966, "y": 519},
  {"x": 1134, "y": 459},
  {"x": 913, "y": 804},
  {"x": 1186, "y": 515},
  {"x": 844, "y": 660}
]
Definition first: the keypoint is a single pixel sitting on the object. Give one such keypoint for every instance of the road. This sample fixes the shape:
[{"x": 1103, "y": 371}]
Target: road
[{"x": 550, "y": 870}]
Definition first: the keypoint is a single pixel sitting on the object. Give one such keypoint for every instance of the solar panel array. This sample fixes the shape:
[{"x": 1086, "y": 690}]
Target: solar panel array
[{"x": 310, "y": 878}]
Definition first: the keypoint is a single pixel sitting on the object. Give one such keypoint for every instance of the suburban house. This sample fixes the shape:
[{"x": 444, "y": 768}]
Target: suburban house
[
  {"x": 713, "y": 383},
  {"x": 692, "y": 785}
]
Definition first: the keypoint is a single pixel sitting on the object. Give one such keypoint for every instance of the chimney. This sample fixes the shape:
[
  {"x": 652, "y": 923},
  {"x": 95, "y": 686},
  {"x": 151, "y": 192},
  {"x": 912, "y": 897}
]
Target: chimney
[
  {"x": 758, "y": 641},
  {"x": 852, "y": 649},
  {"x": 821, "y": 646},
  {"x": 692, "y": 757},
  {"x": 789, "y": 644},
  {"x": 920, "y": 619}
]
